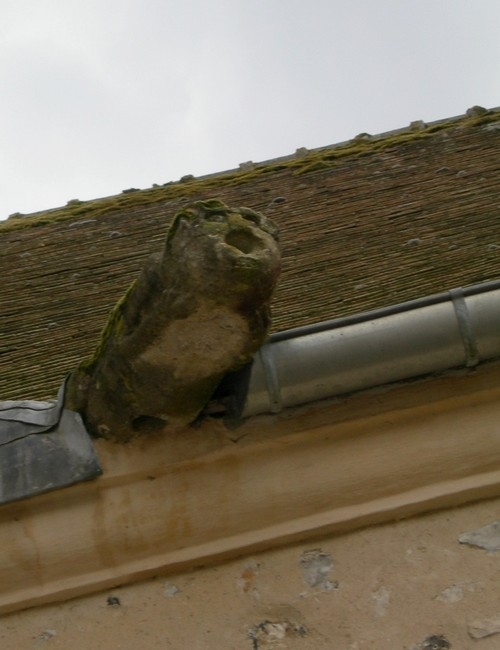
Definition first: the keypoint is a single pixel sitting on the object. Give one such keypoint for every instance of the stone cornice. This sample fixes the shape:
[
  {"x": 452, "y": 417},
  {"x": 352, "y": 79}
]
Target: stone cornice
[{"x": 181, "y": 500}]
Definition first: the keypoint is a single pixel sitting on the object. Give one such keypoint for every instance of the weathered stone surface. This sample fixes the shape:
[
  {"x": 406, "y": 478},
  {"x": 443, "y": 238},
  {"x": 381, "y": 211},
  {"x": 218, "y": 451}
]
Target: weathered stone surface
[
  {"x": 481, "y": 628},
  {"x": 433, "y": 642},
  {"x": 316, "y": 566},
  {"x": 273, "y": 633},
  {"x": 196, "y": 312},
  {"x": 381, "y": 598},
  {"x": 452, "y": 594},
  {"x": 487, "y": 537}
]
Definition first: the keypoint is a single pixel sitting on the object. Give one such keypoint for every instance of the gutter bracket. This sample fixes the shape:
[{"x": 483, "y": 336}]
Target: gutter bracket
[
  {"x": 465, "y": 327},
  {"x": 272, "y": 380}
]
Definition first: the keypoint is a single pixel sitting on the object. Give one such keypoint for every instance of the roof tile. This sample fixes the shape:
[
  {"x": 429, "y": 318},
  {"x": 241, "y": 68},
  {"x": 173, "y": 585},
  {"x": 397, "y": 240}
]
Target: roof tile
[{"x": 363, "y": 225}]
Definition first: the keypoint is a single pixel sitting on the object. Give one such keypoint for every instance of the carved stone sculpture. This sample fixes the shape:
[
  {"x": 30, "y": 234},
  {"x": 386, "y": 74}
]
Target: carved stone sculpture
[{"x": 197, "y": 311}]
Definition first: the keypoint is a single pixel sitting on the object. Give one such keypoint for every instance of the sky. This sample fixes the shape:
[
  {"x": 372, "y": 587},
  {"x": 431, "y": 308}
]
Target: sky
[{"x": 97, "y": 96}]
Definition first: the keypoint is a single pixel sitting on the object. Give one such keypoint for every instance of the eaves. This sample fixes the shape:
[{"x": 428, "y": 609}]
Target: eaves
[{"x": 201, "y": 495}]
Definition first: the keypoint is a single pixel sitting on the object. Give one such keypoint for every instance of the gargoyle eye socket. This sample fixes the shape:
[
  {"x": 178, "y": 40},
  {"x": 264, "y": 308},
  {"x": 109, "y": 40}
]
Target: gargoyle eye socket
[
  {"x": 216, "y": 217},
  {"x": 251, "y": 216}
]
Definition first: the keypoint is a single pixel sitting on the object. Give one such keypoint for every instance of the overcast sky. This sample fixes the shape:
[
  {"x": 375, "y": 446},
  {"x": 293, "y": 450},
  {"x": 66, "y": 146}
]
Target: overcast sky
[{"x": 97, "y": 96}]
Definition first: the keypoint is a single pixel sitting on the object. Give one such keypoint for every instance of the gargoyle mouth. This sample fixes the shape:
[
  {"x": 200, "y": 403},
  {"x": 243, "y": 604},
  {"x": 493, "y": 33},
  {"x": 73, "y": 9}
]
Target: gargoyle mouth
[{"x": 244, "y": 240}]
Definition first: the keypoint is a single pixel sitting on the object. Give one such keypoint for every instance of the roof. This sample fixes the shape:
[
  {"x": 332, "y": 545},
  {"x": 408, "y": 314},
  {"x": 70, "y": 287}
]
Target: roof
[{"x": 364, "y": 224}]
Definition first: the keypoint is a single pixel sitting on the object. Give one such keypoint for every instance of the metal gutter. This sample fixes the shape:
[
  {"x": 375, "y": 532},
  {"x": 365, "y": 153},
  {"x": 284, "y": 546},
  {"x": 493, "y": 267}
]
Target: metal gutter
[
  {"x": 457, "y": 328},
  {"x": 43, "y": 447}
]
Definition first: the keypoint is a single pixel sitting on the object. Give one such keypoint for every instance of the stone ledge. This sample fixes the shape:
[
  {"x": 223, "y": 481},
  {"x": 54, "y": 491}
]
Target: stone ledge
[{"x": 179, "y": 501}]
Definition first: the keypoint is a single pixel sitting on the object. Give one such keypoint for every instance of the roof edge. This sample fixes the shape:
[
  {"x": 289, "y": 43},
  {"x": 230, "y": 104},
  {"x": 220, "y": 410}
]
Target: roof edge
[{"x": 302, "y": 161}]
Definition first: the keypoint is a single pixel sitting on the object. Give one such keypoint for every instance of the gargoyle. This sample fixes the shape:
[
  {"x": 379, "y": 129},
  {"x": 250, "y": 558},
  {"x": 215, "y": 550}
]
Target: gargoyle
[{"x": 196, "y": 312}]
